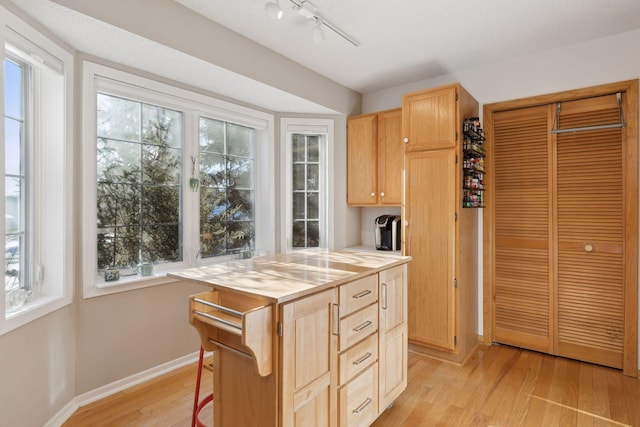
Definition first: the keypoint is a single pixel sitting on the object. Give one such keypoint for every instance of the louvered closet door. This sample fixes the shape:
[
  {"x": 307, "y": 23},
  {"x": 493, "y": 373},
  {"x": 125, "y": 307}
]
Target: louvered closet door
[
  {"x": 590, "y": 233},
  {"x": 522, "y": 298}
]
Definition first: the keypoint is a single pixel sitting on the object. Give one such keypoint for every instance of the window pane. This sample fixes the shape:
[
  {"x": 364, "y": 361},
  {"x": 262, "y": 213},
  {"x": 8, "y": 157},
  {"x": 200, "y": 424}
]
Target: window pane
[
  {"x": 118, "y": 161},
  {"x": 13, "y": 87},
  {"x": 298, "y": 236},
  {"x": 298, "y": 177},
  {"x": 312, "y": 205},
  {"x": 313, "y": 148},
  {"x": 15, "y": 201},
  {"x": 139, "y": 183},
  {"x": 298, "y": 148},
  {"x": 12, "y": 205},
  {"x": 241, "y": 172},
  {"x": 313, "y": 177},
  {"x": 119, "y": 118},
  {"x": 226, "y": 192},
  {"x": 298, "y": 206},
  {"x": 313, "y": 234},
  {"x": 239, "y": 140},
  {"x": 211, "y": 136},
  {"x": 12, "y": 162},
  {"x": 161, "y": 165},
  {"x": 161, "y": 126}
]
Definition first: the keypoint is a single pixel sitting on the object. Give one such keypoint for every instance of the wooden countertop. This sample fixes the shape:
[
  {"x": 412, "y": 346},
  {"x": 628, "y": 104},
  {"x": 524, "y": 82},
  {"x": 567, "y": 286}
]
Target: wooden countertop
[{"x": 284, "y": 277}]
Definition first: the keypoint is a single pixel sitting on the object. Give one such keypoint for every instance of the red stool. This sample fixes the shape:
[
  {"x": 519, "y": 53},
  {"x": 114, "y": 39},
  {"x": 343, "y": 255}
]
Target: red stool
[{"x": 197, "y": 406}]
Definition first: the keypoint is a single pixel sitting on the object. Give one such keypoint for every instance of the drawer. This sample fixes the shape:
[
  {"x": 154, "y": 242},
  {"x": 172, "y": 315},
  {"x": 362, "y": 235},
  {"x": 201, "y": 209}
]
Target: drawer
[
  {"x": 357, "y": 358},
  {"x": 358, "y": 400},
  {"x": 357, "y": 326},
  {"x": 357, "y": 294}
]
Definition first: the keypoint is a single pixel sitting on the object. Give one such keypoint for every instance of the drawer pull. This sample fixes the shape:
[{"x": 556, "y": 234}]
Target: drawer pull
[
  {"x": 336, "y": 319},
  {"x": 363, "y": 406},
  {"x": 362, "y": 294},
  {"x": 384, "y": 296},
  {"x": 362, "y": 359},
  {"x": 364, "y": 325}
]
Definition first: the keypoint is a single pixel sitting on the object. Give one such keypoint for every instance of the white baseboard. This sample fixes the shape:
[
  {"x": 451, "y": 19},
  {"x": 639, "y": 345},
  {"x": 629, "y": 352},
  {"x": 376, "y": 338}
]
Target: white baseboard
[{"x": 107, "y": 390}]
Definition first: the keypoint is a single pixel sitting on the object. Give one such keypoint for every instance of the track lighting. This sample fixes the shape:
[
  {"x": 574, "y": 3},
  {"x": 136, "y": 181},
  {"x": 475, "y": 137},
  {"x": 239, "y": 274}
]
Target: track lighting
[
  {"x": 306, "y": 9},
  {"x": 273, "y": 10},
  {"x": 318, "y": 34}
]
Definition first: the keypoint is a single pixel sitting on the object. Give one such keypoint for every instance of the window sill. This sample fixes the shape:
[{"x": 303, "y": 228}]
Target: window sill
[
  {"x": 34, "y": 308},
  {"x": 98, "y": 287}
]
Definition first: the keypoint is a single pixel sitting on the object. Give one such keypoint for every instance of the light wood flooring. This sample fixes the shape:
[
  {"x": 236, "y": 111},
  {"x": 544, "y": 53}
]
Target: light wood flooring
[{"x": 498, "y": 386}]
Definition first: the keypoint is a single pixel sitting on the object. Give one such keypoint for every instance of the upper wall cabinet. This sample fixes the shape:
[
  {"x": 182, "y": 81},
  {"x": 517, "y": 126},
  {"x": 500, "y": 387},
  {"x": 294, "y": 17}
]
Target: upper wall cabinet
[
  {"x": 374, "y": 159},
  {"x": 430, "y": 119}
]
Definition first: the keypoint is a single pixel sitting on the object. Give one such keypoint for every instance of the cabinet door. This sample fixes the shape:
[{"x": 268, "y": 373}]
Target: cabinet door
[
  {"x": 430, "y": 210},
  {"x": 390, "y": 157},
  {"x": 393, "y": 334},
  {"x": 309, "y": 371},
  {"x": 362, "y": 175},
  {"x": 429, "y": 119}
]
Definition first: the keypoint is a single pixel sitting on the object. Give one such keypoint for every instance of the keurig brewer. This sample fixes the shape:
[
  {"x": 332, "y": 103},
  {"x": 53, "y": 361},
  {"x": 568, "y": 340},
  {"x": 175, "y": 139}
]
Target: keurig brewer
[{"x": 387, "y": 232}]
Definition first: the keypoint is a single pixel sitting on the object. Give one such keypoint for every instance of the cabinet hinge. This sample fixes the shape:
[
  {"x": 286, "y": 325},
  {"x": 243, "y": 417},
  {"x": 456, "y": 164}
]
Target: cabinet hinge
[
  {"x": 456, "y": 96},
  {"x": 455, "y": 216},
  {"x": 455, "y": 283},
  {"x": 456, "y": 135},
  {"x": 455, "y": 340},
  {"x": 456, "y": 159},
  {"x": 279, "y": 328}
]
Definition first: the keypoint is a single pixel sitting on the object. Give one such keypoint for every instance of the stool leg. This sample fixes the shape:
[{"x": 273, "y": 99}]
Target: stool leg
[{"x": 197, "y": 393}]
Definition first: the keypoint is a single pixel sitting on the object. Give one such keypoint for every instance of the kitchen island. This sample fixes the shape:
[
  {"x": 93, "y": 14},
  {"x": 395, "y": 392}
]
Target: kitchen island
[{"x": 306, "y": 338}]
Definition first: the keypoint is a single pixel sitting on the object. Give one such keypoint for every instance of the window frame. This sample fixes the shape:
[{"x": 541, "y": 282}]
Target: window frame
[
  {"x": 100, "y": 78},
  {"x": 312, "y": 126},
  {"x": 49, "y": 183}
]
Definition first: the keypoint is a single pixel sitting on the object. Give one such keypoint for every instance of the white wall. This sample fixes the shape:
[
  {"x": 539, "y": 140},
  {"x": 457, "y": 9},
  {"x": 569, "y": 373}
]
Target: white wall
[{"x": 606, "y": 60}]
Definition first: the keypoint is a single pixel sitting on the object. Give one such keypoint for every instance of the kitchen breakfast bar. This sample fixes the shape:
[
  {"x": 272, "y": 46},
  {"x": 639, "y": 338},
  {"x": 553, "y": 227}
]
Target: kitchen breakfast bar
[{"x": 305, "y": 338}]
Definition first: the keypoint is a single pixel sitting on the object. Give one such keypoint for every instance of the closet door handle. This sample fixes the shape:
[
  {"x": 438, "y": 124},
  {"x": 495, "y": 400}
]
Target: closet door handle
[{"x": 588, "y": 247}]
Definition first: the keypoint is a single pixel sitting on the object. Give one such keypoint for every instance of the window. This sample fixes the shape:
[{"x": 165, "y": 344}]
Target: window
[
  {"x": 138, "y": 183},
  {"x": 177, "y": 180},
  {"x": 307, "y": 179},
  {"x": 38, "y": 197},
  {"x": 227, "y": 217},
  {"x": 17, "y": 285}
]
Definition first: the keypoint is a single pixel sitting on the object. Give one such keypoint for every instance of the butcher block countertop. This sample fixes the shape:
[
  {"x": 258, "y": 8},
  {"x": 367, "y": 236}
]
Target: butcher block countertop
[{"x": 288, "y": 276}]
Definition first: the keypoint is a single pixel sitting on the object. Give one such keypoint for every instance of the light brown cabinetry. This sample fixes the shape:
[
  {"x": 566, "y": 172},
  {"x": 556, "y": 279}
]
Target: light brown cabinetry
[
  {"x": 309, "y": 374},
  {"x": 374, "y": 159},
  {"x": 314, "y": 359},
  {"x": 393, "y": 335},
  {"x": 357, "y": 352},
  {"x": 439, "y": 235}
]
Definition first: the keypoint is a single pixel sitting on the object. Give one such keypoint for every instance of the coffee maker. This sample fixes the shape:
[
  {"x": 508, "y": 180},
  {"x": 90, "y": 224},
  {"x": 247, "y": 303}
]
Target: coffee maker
[{"x": 387, "y": 232}]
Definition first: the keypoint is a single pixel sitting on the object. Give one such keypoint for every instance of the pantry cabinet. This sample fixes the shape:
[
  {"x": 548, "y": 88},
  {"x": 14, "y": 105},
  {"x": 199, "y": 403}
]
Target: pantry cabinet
[
  {"x": 374, "y": 159},
  {"x": 439, "y": 235}
]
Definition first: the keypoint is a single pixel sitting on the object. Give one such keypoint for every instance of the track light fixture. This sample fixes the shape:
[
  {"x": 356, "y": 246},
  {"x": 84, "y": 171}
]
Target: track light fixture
[
  {"x": 273, "y": 10},
  {"x": 308, "y": 10},
  {"x": 318, "y": 34}
]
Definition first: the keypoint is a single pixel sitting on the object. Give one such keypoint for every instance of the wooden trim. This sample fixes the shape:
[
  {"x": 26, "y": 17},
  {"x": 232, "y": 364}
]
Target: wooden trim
[
  {"x": 630, "y": 361},
  {"x": 630, "y": 106}
]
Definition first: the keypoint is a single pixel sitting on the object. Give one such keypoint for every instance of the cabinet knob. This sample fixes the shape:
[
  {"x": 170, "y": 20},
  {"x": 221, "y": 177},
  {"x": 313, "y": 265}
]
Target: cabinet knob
[
  {"x": 382, "y": 194},
  {"x": 373, "y": 194},
  {"x": 406, "y": 140},
  {"x": 588, "y": 247}
]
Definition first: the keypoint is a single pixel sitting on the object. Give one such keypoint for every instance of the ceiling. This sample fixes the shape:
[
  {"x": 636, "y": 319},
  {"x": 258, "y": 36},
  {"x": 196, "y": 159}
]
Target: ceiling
[
  {"x": 400, "y": 41},
  {"x": 403, "y": 41}
]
